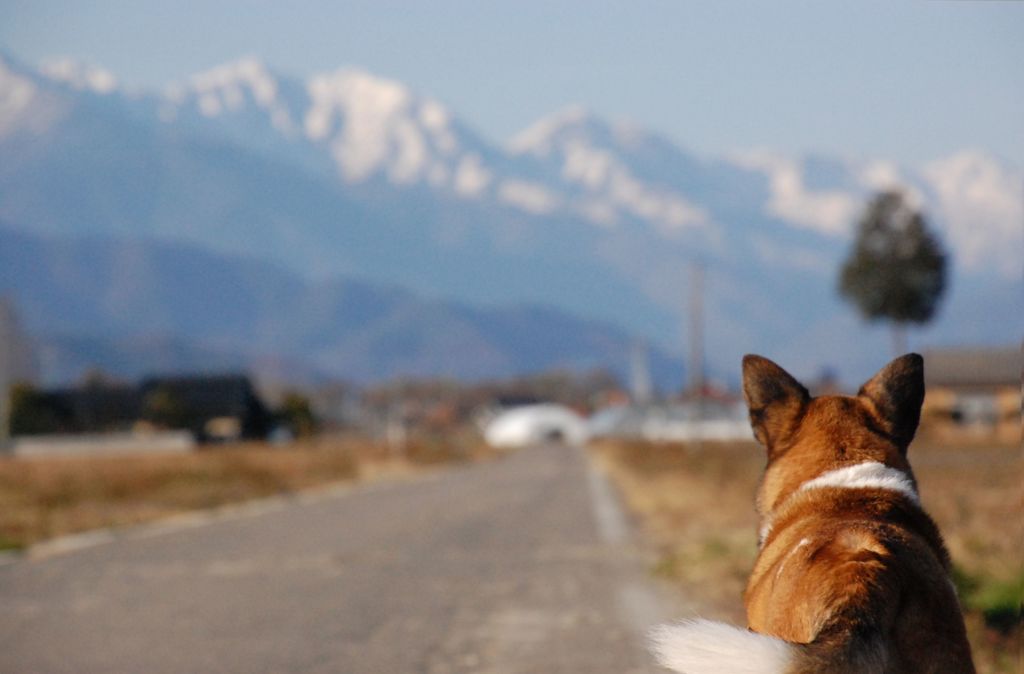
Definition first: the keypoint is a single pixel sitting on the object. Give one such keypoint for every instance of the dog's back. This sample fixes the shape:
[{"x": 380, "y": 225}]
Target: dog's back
[{"x": 852, "y": 575}]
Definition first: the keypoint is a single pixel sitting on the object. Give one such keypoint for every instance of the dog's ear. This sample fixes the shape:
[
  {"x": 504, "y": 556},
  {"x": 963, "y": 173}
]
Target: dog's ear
[
  {"x": 776, "y": 400},
  {"x": 897, "y": 392}
]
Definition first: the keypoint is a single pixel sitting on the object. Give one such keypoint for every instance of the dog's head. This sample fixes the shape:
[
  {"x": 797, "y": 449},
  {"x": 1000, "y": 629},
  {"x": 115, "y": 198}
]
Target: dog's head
[{"x": 806, "y": 436}]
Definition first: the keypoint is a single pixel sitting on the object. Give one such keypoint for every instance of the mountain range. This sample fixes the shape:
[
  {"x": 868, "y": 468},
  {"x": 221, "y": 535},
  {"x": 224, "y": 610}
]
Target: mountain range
[
  {"x": 133, "y": 307},
  {"x": 345, "y": 179}
]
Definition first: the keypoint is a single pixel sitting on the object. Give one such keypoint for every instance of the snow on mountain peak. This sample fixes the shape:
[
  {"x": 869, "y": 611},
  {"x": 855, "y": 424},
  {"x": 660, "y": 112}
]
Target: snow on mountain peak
[
  {"x": 372, "y": 123},
  {"x": 571, "y": 162},
  {"x": 81, "y": 76},
  {"x": 353, "y": 93},
  {"x": 26, "y": 102},
  {"x": 529, "y": 196},
  {"x": 229, "y": 88},
  {"x": 16, "y": 94},
  {"x": 574, "y": 125},
  {"x": 543, "y": 137},
  {"x": 244, "y": 87},
  {"x": 974, "y": 200},
  {"x": 594, "y": 156},
  {"x": 365, "y": 125},
  {"x": 224, "y": 87},
  {"x": 471, "y": 176},
  {"x": 982, "y": 203},
  {"x": 827, "y": 211}
]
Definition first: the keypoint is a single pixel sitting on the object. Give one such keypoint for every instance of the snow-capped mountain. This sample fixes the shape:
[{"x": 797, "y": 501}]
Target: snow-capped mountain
[
  {"x": 570, "y": 164},
  {"x": 81, "y": 76},
  {"x": 616, "y": 173},
  {"x": 974, "y": 199},
  {"x": 366, "y": 127},
  {"x": 27, "y": 102},
  {"x": 348, "y": 173},
  {"x": 621, "y": 172}
]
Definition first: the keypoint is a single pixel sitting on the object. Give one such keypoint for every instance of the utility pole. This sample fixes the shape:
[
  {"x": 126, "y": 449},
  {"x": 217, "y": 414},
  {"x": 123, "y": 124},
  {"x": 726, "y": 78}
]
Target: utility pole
[
  {"x": 697, "y": 348},
  {"x": 640, "y": 374},
  {"x": 697, "y": 328}
]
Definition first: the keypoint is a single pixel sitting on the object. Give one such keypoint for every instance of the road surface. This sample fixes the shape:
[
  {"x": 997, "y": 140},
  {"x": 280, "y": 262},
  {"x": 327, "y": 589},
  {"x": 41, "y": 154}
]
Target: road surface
[{"x": 517, "y": 566}]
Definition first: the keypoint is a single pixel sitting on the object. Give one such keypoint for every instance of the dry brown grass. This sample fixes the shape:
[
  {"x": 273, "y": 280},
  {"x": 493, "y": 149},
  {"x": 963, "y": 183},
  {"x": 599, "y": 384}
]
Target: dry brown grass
[
  {"x": 696, "y": 505},
  {"x": 42, "y": 498}
]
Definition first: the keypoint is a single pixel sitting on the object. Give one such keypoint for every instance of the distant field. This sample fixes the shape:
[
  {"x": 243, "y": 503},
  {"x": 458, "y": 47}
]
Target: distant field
[
  {"x": 696, "y": 506},
  {"x": 42, "y": 498}
]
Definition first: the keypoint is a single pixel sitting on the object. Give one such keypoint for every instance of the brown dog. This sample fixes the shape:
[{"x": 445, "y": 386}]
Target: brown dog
[{"x": 852, "y": 575}]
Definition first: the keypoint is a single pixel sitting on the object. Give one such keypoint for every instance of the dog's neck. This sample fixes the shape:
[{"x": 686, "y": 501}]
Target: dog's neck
[{"x": 867, "y": 475}]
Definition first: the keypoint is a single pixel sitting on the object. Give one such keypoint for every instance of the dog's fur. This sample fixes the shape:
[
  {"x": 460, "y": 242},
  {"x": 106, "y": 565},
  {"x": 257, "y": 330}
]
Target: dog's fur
[{"x": 852, "y": 575}]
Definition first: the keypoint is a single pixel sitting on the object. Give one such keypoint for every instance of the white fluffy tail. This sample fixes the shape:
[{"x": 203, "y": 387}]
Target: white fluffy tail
[{"x": 707, "y": 647}]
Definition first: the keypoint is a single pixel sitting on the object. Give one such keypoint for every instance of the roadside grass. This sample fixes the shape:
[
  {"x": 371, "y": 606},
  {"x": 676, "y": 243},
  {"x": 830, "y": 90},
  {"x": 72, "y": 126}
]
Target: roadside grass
[
  {"x": 696, "y": 507},
  {"x": 42, "y": 498}
]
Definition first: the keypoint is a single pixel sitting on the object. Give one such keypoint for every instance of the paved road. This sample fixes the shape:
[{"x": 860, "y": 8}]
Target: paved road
[{"x": 519, "y": 566}]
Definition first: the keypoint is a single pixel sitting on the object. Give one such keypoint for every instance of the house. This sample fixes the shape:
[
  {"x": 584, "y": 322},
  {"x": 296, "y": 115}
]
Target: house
[
  {"x": 694, "y": 419},
  {"x": 213, "y": 407},
  {"x": 95, "y": 407},
  {"x": 974, "y": 392}
]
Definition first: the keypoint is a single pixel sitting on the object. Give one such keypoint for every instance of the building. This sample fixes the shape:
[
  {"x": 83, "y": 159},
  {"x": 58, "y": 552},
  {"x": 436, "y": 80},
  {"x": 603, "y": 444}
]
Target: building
[
  {"x": 973, "y": 392},
  {"x": 213, "y": 408},
  {"x": 16, "y": 361},
  {"x": 97, "y": 406},
  {"x": 536, "y": 424},
  {"x": 694, "y": 420}
]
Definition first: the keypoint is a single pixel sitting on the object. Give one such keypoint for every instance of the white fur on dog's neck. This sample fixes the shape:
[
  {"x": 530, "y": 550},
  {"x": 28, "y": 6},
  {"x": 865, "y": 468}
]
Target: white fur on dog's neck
[{"x": 867, "y": 475}]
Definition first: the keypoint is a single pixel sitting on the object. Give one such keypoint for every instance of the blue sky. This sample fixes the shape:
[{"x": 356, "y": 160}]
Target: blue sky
[{"x": 905, "y": 80}]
